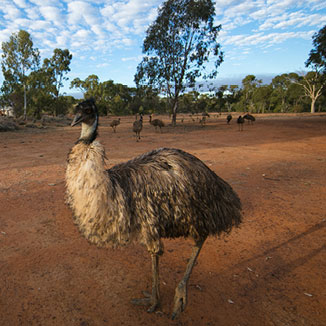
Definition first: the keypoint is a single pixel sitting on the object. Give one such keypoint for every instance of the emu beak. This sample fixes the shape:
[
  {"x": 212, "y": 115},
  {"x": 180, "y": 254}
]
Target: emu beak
[{"x": 77, "y": 119}]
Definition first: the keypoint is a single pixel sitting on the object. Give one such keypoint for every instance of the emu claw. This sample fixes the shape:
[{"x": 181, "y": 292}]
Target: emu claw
[
  {"x": 180, "y": 300},
  {"x": 146, "y": 301},
  {"x": 178, "y": 307}
]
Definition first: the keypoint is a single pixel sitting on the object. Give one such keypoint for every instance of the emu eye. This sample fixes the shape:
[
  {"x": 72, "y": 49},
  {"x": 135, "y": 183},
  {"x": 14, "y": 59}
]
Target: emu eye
[{"x": 88, "y": 111}]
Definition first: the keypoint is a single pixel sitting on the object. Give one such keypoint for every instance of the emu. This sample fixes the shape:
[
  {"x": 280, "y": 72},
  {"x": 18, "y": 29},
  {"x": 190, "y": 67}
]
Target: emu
[
  {"x": 114, "y": 124},
  {"x": 156, "y": 123},
  {"x": 137, "y": 127},
  {"x": 165, "y": 193},
  {"x": 202, "y": 121},
  {"x": 228, "y": 119},
  {"x": 240, "y": 122},
  {"x": 250, "y": 118}
]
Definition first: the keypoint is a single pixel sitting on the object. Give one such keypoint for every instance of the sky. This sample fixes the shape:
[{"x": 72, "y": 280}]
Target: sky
[{"x": 264, "y": 38}]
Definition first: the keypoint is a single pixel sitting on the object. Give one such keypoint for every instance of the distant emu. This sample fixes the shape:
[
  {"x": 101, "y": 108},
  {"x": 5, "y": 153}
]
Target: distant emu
[
  {"x": 114, "y": 124},
  {"x": 228, "y": 118},
  {"x": 165, "y": 193},
  {"x": 250, "y": 118},
  {"x": 202, "y": 121},
  {"x": 156, "y": 123},
  {"x": 137, "y": 127},
  {"x": 240, "y": 122}
]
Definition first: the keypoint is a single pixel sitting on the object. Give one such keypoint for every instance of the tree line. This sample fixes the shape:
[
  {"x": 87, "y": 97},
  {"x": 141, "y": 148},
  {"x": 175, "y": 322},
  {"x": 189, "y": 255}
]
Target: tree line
[{"x": 181, "y": 58}]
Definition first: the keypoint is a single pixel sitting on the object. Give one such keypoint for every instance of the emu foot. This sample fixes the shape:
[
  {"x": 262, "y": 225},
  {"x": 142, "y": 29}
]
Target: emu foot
[
  {"x": 149, "y": 300},
  {"x": 180, "y": 300}
]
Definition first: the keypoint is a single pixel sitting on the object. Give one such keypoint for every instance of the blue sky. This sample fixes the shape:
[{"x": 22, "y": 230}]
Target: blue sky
[{"x": 259, "y": 37}]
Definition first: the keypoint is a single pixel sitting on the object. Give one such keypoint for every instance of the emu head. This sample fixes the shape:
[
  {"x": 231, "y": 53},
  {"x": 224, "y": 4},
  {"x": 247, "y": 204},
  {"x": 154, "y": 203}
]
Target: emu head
[{"x": 86, "y": 114}]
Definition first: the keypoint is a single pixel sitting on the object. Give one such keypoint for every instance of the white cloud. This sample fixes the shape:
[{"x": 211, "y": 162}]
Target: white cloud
[
  {"x": 52, "y": 14},
  {"x": 82, "y": 34},
  {"x": 32, "y": 13},
  {"x": 131, "y": 16},
  {"x": 102, "y": 65},
  {"x": 221, "y": 4},
  {"x": 5, "y": 34},
  {"x": 241, "y": 9},
  {"x": 20, "y": 3},
  {"x": 11, "y": 12},
  {"x": 295, "y": 19},
  {"x": 40, "y": 25},
  {"x": 82, "y": 13},
  {"x": 260, "y": 39},
  {"x": 39, "y": 3},
  {"x": 99, "y": 31}
]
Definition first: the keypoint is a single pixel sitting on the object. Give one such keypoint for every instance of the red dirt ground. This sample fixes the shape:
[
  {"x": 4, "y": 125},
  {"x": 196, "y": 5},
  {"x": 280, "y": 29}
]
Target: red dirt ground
[{"x": 270, "y": 271}]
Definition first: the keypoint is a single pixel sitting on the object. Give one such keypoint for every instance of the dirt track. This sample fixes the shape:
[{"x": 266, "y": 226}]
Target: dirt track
[{"x": 271, "y": 271}]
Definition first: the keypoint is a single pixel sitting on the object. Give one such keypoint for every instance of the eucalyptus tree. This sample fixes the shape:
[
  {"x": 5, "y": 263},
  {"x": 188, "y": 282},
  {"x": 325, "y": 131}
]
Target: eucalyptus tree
[
  {"x": 261, "y": 98},
  {"x": 295, "y": 95},
  {"x": 19, "y": 57},
  {"x": 58, "y": 66},
  {"x": 40, "y": 89},
  {"x": 180, "y": 46},
  {"x": 279, "y": 96},
  {"x": 249, "y": 84},
  {"x": 313, "y": 84},
  {"x": 147, "y": 98},
  {"x": 90, "y": 87},
  {"x": 108, "y": 95},
  {"x": 317, "y": 56},
  {"x": 232, "y": 96},
  {"x": 220, "y": 97}
]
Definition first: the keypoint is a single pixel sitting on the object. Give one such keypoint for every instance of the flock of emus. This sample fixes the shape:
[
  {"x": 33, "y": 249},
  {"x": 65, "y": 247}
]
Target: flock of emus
[
  {"x": 138, "y": 123},
  {"x": 165, "y": 193}
]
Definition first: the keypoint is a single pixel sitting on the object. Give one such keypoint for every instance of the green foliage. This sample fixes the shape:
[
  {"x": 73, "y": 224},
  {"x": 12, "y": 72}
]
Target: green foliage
[
  {"x": 18, "y": 58},
  {"x": 249, "y": 86},
  {"x": 317, "y": 56},
  {"x": 39, "y": 90},
  {"x": 261, "y": 98},
  {"x": 110, "y": 97},
  {"x": 58, "y": 66}
]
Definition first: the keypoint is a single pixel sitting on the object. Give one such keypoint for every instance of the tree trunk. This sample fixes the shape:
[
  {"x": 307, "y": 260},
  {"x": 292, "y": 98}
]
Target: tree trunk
[
  {"x": 312, "y": 107},
  {"x": 174, "y": 113},
  {"x": 56, "y": 103},
  {"x": 25, "y": 104},
  {"x": 283, "y": 105}
]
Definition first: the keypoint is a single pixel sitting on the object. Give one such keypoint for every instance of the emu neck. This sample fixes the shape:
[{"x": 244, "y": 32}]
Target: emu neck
[{"x": 89, "y": 132}]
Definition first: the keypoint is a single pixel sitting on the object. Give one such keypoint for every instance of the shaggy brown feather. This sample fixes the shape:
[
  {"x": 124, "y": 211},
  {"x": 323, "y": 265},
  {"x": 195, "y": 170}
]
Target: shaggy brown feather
[{"x": 165, "y": 193}]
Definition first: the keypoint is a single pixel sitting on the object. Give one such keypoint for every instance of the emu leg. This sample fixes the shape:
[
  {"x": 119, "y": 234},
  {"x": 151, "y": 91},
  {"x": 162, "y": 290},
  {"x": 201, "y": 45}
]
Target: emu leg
[
  {"x": 152, "y": 299},
  {"x": 180, "y": 297},
  {"x": 155, "y": 297}
]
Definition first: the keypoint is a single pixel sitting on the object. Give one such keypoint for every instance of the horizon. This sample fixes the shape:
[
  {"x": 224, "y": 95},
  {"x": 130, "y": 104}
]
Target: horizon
[{"x": 261, "y": 38}]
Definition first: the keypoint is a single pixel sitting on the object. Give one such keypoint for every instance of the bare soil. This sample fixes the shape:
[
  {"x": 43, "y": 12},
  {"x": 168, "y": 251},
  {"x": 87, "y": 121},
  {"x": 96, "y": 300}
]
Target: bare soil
[{"x": 270, "y": 271}]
